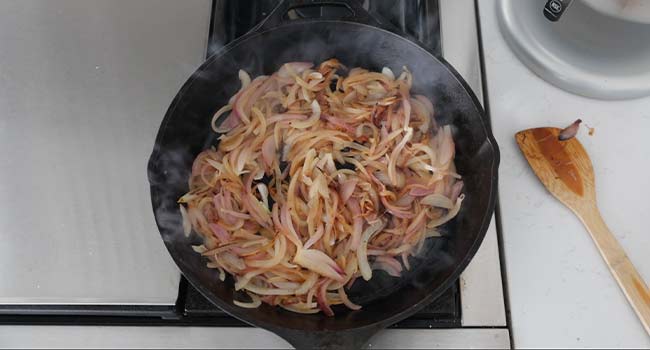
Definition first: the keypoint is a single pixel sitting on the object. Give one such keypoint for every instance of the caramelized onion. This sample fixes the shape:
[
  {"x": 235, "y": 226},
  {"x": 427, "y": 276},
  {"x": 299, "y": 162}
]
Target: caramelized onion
[
  {"x": 318, "y": 179},
  {"x": 362, "y": 258},
  {"x": 254, "y": 303}
]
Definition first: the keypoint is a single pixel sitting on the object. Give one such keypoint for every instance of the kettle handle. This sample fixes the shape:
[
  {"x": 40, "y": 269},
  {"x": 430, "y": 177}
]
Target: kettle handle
[{"x": 554, "y": 9}]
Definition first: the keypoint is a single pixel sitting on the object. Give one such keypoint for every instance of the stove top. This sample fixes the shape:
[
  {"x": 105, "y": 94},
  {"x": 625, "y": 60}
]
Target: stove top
[{"x": 229, "y": 20}]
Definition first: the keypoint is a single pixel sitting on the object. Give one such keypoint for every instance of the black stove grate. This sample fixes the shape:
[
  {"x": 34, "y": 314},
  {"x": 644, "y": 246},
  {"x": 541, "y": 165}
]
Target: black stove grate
[{"x": 417, "y": 18}]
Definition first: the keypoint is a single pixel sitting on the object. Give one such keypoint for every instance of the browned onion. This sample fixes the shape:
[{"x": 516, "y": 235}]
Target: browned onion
[{"x": 312, "y": 187}]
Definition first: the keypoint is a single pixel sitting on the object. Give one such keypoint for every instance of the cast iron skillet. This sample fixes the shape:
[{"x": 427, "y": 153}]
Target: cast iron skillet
[{"x": 357, "y": 42}]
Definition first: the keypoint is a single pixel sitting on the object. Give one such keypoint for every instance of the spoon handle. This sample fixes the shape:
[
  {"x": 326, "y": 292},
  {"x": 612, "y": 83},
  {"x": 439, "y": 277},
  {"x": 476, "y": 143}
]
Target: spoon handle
[{"x": 635, "y": 289}]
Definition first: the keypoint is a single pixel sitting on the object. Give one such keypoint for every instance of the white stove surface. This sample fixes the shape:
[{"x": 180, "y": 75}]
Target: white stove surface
[
  {"x": 83, "y": 88},
  {"x": 481, "y": 285}
]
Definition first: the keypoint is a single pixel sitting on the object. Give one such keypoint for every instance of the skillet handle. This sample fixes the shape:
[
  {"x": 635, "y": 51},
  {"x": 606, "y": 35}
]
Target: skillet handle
[
  {"x": 356, "y": 13},
  {"x": 339, "y": 340}
]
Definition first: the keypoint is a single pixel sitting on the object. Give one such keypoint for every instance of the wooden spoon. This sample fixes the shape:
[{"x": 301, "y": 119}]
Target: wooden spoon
[{"x": 565, "y": 169}]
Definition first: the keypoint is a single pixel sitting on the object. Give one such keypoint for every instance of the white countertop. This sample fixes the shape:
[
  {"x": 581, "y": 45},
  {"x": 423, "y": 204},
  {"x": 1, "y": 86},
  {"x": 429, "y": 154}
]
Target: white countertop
[
  {"x": 561, "y": 292},
  {"x": 84, "y": 86}
]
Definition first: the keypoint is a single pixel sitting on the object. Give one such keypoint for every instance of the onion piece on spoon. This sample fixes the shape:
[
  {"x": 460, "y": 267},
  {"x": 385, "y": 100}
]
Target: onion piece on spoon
[{"x": 570, "y": 131}]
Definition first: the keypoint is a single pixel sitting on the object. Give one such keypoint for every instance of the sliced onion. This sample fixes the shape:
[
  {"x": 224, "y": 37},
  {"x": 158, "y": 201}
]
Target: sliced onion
[
  {"x": 319, "y": 262},
  {"x": 315, "y": 117},
  {"x": 244, "y": 78},
  {"x": 243, "y": 281},
  {"x": 222, "y": 111},
  {"x": 339, "y": 123},
  {"x": 390, "y": 261},
  {"x": 396, "y": 151},
  {"x": 287, "y": 285},
  {"x": 388, "y": 73},
  {"x": 234, "y": 214},
  {"x": 199, "y": 248},
  {"x": 437, "y": 200},
  {"x": 419, "y": 191},
  {"x": 570, "y": 131},
  {"x": 405, "y": 260},
  {"x": 215, "y": 265},
  {"x": 293, "y": 68},
  {"x": 286, "y": 117},
  {"x": 356, "y": 170},
  {"x": 244, "y": 96},
  {"x": 450, "y": 214},
  {"x": 391, "y": 270},
  {"x": 287, "y": 227},
  {"x": 264, "y": 193},
  {"x": 401, "y": 249},
  {"x": 357, "y": 224},
  {"x": 253, "y": 304},
  {"x": 347, "y": 188},
  {"x": 220, "y": 232},
  {"x": 268, "y": 291},
  {"x": 321, "y": 299},
  {"x": 445, "y": 145},
  {"x": 362, "y": 258},
  {"x": 455, "y": 191},
  {"x": 398, "y": 211},
  {"x": 268, "y": 151},
  {"x": 233, "y": 260},
  {"x": 308, "y": 284},
  {"x": 407, "y": 110},
  {"x": 405, "y": 201},
  {"x": 196, "y": 218},
  {"x": 316, "y": 237},
  {"x": 279, "y": 252},
  {"x": 300, "y": 310},
  {"x": 257, "y": 210},
  {"x": 383, "y": 178},
  {"x": 187, "y": 225},
  {"x": 259, "y": 175},
  {"x": 346, "y": 301},
  {"x": 421, "y": 111}
]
